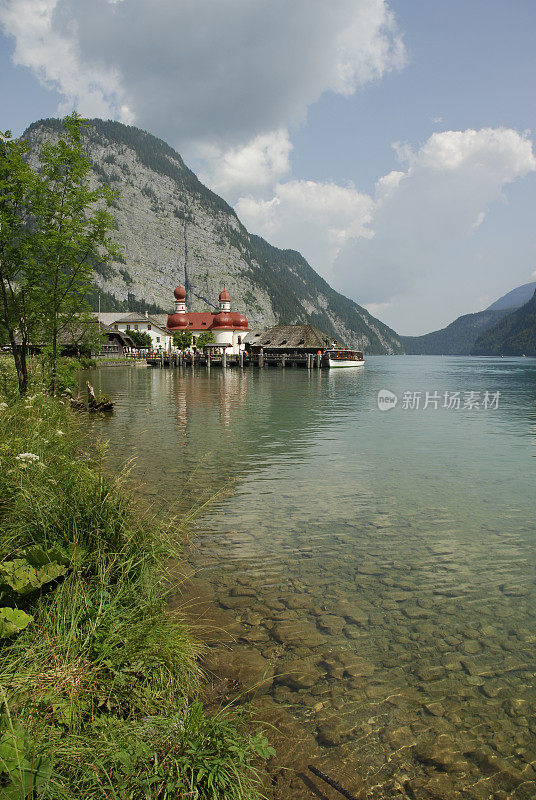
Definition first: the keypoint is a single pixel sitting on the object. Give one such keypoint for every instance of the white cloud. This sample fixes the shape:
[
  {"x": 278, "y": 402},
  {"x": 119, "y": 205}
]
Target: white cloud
[
  {"x": 428, "y": 218},
  {"x": 377, "y": 309},
  {"x": 256, "y": 164},
  {"x": 55, "y": 59},
  {"x": 218, "y": 73},
  {"x": 318, "y": 219},
  {"x": 387, "y": 184},
  {"x": 501, "y": 154},
  {"x": 423, "y": 224}
]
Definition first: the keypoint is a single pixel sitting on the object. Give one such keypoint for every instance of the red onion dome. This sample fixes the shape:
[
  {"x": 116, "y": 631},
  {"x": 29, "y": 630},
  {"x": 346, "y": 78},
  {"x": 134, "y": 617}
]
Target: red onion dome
[
  {"x": 223, "y": 320},
  {"x": 175, "y": 321},
  {"x": 180, "y": 293},
  {"x": 224, "y": 297},
  {"x": 239, "y": 321}
]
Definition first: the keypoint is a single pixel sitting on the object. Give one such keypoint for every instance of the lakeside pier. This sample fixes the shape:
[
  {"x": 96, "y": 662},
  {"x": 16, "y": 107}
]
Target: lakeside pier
[{"x": 240, "y": 360}]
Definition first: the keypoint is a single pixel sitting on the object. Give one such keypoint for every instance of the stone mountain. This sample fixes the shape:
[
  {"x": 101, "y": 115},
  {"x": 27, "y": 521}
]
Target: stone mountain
[{"x": 174, "y": 230}]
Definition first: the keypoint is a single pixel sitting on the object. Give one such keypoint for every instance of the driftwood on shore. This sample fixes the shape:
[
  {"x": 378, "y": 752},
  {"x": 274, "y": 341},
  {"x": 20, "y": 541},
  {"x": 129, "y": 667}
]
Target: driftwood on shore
[
  {"x": 96, "y": 405},
  {"x": 93, "y": 404}
]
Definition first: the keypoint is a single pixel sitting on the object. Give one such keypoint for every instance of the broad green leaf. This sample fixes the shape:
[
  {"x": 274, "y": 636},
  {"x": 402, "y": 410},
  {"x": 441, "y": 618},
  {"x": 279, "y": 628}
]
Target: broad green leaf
[
  {"x": 38, "y": 556},
  {"x": 19, "y": 575},
  {"x": 12, "y": 621},
  {"x": 25, "y": 773},
  {"x": 50, "y": 572},
  {"x": 23, "y": 578}
]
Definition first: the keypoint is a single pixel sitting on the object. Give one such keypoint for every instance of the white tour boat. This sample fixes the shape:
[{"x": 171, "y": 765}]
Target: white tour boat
[{"x": 342, "y": 358}]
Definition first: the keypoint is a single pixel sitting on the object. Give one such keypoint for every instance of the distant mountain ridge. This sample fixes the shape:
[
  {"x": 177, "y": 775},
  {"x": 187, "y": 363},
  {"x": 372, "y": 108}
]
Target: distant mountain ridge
[
  {"x": 459, "y": 338},
  {"x": 514, "y": 335},
  {"x": 456, "y": 339},
  {"x": 514, "y": 299},
  {"x": 174, "y": 229}
]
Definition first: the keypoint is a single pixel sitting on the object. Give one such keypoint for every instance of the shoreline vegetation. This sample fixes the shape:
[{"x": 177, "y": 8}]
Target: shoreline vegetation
[{"x": 100, "y": 683}]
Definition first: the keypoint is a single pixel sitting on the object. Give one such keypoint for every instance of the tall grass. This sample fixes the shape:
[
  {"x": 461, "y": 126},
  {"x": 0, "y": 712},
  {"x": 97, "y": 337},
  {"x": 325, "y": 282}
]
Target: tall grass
[{"x": 99, "y": 694}]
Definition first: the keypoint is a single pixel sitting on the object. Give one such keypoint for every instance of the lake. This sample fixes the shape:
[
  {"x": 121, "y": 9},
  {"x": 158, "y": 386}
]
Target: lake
[{"x": 381, "y": 563}]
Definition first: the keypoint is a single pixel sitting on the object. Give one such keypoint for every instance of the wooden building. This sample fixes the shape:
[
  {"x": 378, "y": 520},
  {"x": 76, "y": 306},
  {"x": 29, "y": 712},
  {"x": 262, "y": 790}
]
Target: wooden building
[{"x": 290, "y": 340}]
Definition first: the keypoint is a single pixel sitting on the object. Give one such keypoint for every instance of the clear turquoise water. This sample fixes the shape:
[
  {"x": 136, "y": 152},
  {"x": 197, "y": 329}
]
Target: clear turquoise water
[{"x": 404, "y": 540}]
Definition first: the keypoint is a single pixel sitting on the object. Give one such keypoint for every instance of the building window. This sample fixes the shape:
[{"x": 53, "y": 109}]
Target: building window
[
  {"x": 158, "y": 338},
  {"x": 149, "y": 327},
  {"x": 136, "y": 327},
  {"x": 115, "y": 326},
  {"x": 239, "y": 340},
  {"x": 128, "y": 327}
]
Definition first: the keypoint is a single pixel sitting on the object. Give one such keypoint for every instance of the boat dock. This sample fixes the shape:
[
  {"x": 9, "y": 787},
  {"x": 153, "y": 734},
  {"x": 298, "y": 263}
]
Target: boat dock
[{"x": 243, "y": 359}]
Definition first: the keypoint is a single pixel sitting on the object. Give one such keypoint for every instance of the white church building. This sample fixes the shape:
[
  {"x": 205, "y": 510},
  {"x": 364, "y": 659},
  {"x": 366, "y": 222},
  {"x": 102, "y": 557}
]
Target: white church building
[{"x": 229, "y": 328}]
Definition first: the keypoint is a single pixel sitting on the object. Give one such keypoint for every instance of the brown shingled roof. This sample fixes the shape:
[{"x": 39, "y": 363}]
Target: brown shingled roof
[{"x": 294, "y": 337}]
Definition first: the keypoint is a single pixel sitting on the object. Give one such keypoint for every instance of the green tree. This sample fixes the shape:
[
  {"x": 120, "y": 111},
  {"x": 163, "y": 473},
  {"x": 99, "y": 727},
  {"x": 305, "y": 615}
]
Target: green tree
[
  {"x": 17, "y": 309},
  {"x": 70, "y": 233},
  {"x": 141, "y": 338},
  {"x": 207, "y": 337},
  {"x": 182, "y": 340}
]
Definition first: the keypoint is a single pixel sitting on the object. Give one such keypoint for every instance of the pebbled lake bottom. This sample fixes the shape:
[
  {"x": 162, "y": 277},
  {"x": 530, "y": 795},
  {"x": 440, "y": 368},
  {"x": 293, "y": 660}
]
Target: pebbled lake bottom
[{"x": 375, "y": 570}]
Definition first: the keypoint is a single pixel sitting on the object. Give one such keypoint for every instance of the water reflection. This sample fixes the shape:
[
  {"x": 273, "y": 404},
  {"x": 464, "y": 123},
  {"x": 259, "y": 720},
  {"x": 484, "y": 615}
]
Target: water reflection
[{"x": 380, "y": 565}]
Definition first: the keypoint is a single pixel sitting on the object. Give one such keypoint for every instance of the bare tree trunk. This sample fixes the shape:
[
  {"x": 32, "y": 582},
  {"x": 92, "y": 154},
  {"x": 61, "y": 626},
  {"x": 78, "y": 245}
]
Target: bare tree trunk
[
  {"x": 23, "y": 362},
  {"x": 54, "y": 369},
  {"x": 18, "y": 357}
]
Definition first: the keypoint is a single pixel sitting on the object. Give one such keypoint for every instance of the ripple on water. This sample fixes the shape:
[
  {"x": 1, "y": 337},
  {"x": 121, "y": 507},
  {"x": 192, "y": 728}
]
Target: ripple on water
[{"x": 376, "y": 572}]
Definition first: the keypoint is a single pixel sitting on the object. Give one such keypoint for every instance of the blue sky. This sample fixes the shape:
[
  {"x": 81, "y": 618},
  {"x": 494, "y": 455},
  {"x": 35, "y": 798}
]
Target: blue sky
[{"x": 390, "y": 142}]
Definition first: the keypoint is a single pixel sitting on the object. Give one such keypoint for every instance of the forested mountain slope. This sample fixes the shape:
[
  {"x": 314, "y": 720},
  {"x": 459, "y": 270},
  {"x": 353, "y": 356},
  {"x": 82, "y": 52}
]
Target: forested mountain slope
[{"x": 514, "y": 335}]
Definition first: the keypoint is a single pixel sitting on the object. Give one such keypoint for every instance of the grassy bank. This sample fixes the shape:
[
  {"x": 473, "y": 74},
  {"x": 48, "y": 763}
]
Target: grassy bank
[{"x": 99, "y": 683}]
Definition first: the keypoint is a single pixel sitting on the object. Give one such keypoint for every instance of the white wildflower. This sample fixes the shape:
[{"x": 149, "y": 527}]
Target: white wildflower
[
  {"x": 60, "y": 433},
  {"x": 3, "y": 406},
  {"x": 27, "y": 458}
]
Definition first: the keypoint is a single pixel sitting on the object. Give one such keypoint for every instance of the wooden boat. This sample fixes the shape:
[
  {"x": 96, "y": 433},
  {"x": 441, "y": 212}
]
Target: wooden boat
[{"x": 342, "y": 358}]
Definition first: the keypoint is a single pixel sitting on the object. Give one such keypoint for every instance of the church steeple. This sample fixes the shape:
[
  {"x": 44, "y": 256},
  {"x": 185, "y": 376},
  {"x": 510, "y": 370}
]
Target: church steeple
[
  {"x": 225, "y": 300},
  {"x": 180, "y": 300}
]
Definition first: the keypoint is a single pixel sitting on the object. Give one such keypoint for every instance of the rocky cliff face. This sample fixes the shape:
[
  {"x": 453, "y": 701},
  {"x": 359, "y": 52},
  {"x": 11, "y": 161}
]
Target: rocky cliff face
[{"x": 174, "y": 230}]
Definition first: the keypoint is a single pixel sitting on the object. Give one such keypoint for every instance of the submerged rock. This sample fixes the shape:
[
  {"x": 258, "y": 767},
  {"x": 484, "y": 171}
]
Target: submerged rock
[
  {"x": 245, "y": 670},
  {"x": 295, "y": 634},
  {"x": 298, "y": 674},
  {"x": 332, "y": 731},
  {"x": 330, "y": 623},
  {"x": 441, "y": 753},
  {"x": 398, "y": 738}
]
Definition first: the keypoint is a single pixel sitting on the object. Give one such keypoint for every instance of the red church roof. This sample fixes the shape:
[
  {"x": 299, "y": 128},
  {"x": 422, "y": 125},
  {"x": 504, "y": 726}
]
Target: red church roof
[
  {"x": 205, "y": 320},
  {"x": 197, "y": 320}
]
